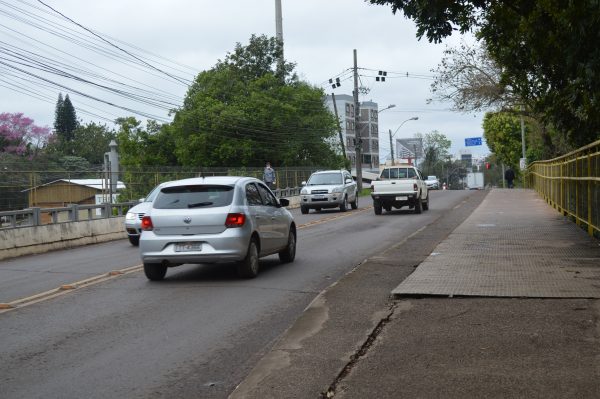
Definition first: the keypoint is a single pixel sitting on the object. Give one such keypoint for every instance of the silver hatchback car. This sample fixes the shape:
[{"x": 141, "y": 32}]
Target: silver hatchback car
[
  {"x": 213, "y": 220},
  {"x": 329, "y": 189}
]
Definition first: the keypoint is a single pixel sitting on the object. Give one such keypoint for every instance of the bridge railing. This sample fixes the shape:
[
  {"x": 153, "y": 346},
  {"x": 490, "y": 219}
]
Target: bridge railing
[
  {"x": 571, "y": 184},
  {"x": 73, "y": 213}
]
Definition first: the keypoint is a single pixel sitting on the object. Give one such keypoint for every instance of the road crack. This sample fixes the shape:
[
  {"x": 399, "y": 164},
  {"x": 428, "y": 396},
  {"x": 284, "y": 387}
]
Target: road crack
[{"x": 360, "y": 353}]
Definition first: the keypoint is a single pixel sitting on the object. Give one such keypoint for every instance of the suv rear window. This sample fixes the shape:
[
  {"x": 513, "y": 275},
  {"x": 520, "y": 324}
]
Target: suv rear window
[{"x": 196, "y": 196}]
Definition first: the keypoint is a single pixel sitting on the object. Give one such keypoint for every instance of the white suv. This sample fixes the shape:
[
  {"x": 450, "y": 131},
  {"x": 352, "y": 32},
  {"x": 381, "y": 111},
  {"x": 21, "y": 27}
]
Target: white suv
[{"x": 329, "y": 189}]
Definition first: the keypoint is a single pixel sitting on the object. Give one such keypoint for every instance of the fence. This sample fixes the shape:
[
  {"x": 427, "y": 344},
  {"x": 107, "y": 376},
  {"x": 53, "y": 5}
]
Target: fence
[
  {"x": 21, "y": 188},
  {"x": 571, "y": 184}
]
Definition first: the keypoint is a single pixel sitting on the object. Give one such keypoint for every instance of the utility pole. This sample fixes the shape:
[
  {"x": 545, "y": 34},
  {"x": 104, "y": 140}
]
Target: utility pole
[
  {"x": 339, "y": 126},
  {"x": 358, "y": 143},
  {"x": 279, "y": 33},
  {"x": 392, "y": 147},
  {"x": 523, "y": 164}
]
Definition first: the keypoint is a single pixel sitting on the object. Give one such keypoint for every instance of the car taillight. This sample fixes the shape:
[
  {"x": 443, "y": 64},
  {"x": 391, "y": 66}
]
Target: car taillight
[
  {"x": 147, "y": 223},
  {"x": 415, "y": 188},
  {"x": 235, "y": 220}
]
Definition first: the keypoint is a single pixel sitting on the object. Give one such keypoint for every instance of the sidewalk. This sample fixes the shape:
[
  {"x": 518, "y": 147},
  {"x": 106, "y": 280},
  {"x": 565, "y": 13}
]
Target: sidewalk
[{"x": 505, "y": 306}]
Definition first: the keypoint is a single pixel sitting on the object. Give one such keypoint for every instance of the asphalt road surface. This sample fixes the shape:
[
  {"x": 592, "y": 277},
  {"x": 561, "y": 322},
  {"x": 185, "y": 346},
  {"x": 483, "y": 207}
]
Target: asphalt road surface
[{"x": 197, "y": 333}]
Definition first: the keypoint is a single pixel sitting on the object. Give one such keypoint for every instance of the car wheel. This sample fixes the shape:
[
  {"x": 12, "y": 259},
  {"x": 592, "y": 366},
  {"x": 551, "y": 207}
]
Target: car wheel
[
  {"x": 426, "y": 203},
  {"x": 377, "y": 207},
  {"x": 304, "y": 210},
  {"x": 419, "y": 205},
  {"x": 248, "y": 268},
  {"x": 134, "y": 240},
  {"x": 354, "y": 204},
  {"x": 155, "y": 271},
  {"x": 344, "y": 204},
  {"x": 318, "y": 209},
  {"x": 289, "y": 253}
]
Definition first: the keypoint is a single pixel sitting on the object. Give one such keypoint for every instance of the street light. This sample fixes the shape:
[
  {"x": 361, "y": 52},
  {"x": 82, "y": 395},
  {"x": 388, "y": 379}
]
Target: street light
[
  {"x": 388, "y": 107},
  {"x": 414, "y": 118}
]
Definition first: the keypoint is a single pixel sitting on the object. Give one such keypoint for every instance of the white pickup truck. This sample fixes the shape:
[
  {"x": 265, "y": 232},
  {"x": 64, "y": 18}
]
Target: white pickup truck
[{"x": 398, "y": 186}]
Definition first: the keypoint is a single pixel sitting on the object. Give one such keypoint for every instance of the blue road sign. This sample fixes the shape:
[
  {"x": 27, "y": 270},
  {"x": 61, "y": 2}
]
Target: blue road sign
[{"x": 472, "y": 141}]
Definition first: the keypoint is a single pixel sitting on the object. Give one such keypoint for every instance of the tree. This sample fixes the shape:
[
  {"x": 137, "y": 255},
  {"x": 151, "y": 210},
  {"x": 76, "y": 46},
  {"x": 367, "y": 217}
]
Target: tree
[
  {"x": 435, "y": 147},
  {"x": 502, "y": 132},
  {"x": 20, "y": 136},
  {"x": 65, "y": 121},
  {"x": 546, "y": 49},
  {"x": 247, "y": 110},
  {"x": 139, "y": 147}
]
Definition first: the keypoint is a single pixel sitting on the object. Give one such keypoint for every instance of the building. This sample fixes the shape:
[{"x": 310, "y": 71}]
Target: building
[
  {"x": 62, "y": 192},
  {"x": 368, "y": 128}
]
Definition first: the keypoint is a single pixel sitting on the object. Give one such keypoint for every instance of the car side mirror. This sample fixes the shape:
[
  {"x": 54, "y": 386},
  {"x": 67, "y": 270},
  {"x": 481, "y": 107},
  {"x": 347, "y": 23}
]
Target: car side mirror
[
  {"x": 284, "y": 202},
  {"x": 303, "y": 183},
  {"x": 348, "y": 181}
]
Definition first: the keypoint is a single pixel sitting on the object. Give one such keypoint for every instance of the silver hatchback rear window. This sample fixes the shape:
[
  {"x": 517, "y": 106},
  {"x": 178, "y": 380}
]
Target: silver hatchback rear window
[{"x": 194, "y": 196}]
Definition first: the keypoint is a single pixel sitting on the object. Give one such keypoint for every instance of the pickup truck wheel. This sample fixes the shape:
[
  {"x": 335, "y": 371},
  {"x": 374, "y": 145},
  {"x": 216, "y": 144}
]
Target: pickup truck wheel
[
  {"x": 304, "y": 210},
  {"x": 377, "y": 207},
  {"x": 134, "y": 240},
  {"x": 344, "y": 204},
  {"x": 426, "y": 203},
  {"x": 354, "y": 204},
  {"x": 419, "y": 205}
]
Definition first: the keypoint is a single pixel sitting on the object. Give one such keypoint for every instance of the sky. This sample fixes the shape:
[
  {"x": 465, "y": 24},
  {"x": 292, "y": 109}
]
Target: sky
[{"x": 120, "y": 58}]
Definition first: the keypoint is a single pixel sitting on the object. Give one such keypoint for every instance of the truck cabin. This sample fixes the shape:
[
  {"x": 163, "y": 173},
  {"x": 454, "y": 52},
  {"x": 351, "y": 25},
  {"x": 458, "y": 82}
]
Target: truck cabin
[{"x": 398, "y": 173}]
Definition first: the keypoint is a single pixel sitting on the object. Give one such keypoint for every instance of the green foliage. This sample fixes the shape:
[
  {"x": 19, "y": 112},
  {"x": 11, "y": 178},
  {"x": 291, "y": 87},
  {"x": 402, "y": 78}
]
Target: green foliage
[
  {"x": 435, "y": 147},
  {"x": 502, "y": 132},
  {"x": 249, "y": 109},
  {"x": 152, "y": 146},
  {"x": 65, "y": 120},
  {"x": 547, "y": 52}
]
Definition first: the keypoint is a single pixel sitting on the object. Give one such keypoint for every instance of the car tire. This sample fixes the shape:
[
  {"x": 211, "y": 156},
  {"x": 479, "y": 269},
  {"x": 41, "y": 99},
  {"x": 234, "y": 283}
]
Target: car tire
[
  {"x": 134, "y": 240},
  {"x": 248, "y": 268},
  {"x": 155, "y": 271},
  {"x": 289, "y": 253},
  {"x": 354, "y": 204},
  {"x": 304, "y": 210},
  {"x": 344, "y": 204},
  {"x": 419, "y": 205},
  {"x": 318, "y": 209},
  {"x": 426, "y": 203},
  {"x": 377, "y": 207}
]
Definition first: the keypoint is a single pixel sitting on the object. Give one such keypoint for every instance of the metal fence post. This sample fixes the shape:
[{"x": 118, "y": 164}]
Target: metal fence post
[
  {"x": 73, "y": 213},
  {"x": 36, "y": 219}
]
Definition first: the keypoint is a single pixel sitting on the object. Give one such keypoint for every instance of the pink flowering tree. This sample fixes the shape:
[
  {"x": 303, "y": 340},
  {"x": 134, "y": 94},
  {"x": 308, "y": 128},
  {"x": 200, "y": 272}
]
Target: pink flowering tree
[{"x": 20, "y": 136}]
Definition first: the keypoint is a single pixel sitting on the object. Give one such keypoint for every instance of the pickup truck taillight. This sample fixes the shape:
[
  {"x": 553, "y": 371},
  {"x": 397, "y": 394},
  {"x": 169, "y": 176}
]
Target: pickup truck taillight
[{"x": 415, "y": 187}]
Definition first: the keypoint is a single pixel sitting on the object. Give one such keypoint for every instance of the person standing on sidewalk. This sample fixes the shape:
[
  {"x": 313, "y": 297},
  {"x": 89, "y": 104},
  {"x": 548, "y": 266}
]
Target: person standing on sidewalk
[
  {"x": 269, "y": 176},
  {"x": 509, "y": 175}
]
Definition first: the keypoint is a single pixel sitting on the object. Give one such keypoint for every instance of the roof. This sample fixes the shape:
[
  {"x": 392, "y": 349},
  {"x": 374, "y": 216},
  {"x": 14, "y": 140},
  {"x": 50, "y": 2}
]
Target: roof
[{"x": 98, "y": 184}]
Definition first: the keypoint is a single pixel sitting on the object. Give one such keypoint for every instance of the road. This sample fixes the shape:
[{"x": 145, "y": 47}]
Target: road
[{"x": 196, "y": 334}]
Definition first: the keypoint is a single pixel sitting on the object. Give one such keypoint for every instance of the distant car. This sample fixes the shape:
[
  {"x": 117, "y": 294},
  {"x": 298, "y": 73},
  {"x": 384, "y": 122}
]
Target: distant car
[
  {"x": 432, "y": 183},
  {"x": 213, "y": 220},
  {"x": 329, "y": 189},
  {"x": 133, "y": 217}
]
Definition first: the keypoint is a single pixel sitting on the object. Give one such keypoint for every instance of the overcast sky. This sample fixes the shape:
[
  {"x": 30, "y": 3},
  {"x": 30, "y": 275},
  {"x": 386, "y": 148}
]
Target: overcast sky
[{"x": 191, "y": 35}]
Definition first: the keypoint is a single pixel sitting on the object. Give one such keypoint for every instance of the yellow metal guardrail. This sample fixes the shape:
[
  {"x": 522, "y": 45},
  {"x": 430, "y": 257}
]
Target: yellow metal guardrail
[{"x": 571, "y": 184}]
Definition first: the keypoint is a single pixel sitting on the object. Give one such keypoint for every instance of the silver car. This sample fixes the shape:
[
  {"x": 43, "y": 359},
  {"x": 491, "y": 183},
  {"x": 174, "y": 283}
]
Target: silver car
[
  {"x": 133, "y": 217},
  {"x": 329, "y": 189},
  {"x": 214, "y": 220}
]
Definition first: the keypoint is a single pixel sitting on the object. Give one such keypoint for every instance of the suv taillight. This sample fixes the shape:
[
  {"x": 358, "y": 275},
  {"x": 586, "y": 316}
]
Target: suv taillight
[
  {"x": 235, "y": 220},
  {"x": 147, "y": 223}
]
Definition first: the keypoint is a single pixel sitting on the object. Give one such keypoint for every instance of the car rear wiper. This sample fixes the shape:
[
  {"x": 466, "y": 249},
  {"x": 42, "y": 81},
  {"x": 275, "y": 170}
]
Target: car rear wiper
[{"x": 199, "y": 204}]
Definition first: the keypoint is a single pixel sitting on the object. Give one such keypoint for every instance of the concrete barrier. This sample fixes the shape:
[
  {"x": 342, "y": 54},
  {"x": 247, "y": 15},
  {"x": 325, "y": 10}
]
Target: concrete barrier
[{"x": 39, "y": 239}]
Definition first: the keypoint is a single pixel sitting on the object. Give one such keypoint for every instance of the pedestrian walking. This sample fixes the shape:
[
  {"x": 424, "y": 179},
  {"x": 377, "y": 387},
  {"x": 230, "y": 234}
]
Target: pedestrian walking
[
  {"x": 509, "y": 175},
  {"x": 269, "y": 176}
]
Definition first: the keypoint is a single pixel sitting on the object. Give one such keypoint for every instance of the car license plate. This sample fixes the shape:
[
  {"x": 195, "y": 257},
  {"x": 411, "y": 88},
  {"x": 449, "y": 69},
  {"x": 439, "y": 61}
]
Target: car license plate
[
  {"x": 188, "y": 246},
  {"x": 402, "y": 198},
  {"x": 319, "y": 196}
]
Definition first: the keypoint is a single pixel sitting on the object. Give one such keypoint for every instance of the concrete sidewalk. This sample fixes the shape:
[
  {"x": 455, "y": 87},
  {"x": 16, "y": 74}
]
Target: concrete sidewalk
[{"x": 502, "y": 303}]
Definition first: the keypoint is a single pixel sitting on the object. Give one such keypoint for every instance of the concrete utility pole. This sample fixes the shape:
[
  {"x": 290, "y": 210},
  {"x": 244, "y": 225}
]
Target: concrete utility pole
[
  {"x": 337, "y": 118},
  {"x": 358, "y": 144},
  {"x": 391, "y": 147},
  {"x": 279, "y": 31}
]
